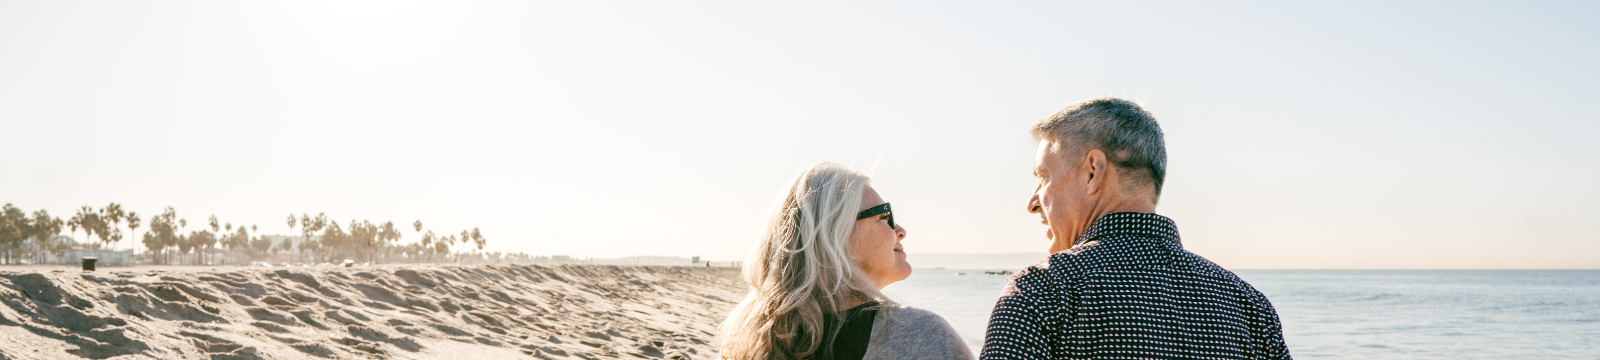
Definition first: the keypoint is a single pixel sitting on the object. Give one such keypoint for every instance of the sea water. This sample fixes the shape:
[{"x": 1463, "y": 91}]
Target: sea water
[{"x": 1363, "y": 314}]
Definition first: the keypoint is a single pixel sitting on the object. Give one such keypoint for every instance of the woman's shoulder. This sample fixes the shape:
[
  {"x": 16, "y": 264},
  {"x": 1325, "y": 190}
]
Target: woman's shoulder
[
  {"x": 911, "y": 316},
  {"x": 904, "y": 332}
]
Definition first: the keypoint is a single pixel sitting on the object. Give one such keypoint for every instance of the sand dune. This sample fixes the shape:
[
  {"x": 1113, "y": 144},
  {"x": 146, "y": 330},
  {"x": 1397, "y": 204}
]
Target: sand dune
[{"x": 422, "y": 312}]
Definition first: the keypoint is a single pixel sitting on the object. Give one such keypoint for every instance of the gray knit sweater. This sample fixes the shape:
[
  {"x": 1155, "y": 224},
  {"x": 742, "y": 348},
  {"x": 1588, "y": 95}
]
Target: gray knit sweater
[{"x": 912, "y": 333}]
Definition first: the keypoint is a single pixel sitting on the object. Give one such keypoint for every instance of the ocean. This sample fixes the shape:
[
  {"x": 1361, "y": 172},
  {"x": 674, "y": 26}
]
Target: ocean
[{"x": 1363, "y": 314}]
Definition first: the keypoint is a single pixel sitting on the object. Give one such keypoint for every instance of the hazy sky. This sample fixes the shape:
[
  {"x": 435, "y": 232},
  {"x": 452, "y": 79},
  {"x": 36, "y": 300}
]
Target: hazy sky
[{"x": 1346, "y": 135}]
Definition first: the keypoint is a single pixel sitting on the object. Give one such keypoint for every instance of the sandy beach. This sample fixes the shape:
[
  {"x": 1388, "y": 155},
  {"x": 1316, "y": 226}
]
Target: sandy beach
[{"x": 398, "y": 312}]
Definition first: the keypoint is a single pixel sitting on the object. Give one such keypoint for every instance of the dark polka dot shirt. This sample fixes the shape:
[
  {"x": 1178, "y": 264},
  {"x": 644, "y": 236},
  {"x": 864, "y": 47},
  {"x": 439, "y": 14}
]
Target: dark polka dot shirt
[{"x": 1128, "y": 290}]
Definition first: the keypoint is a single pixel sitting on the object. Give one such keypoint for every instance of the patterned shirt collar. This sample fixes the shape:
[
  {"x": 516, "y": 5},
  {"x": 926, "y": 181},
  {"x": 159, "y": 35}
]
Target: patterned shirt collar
[{"x": 1129, "y": 223}]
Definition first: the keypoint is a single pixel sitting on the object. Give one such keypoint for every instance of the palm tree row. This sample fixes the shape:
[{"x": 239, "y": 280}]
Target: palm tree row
[
  {"x": 24, "y": 236},
  {"x": 169, "y": 240}
]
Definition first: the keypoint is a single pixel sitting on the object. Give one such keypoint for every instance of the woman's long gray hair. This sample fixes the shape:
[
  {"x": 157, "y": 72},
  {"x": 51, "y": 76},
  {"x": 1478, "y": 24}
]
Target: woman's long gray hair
[{"x": 801, "y": 269}]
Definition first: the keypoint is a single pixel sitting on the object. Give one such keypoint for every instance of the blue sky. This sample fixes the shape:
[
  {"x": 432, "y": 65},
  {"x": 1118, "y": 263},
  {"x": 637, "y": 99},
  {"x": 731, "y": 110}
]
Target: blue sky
[{"x": 1348, "y": 135}]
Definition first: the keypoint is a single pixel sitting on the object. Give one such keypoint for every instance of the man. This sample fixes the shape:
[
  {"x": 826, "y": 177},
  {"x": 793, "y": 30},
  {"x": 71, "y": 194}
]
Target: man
[{"x": 1118, "y": 283}]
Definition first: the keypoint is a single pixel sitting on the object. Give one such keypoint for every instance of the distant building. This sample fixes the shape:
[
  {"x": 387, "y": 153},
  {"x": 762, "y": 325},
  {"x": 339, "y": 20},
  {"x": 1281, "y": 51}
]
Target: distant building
[{"x": 106, "y": 257}]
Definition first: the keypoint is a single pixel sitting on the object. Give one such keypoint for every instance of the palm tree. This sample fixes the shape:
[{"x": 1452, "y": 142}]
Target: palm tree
[
  {"x": 362, "y": 237},
  {"x": 262, "y": 245},
  {"x": 74, "y": 223},
  {"x": 186, "y": 244},
  {"x": 16, "y": 228},
  {"x": 113, "y": 215},
  {"x": 228, "y": 238},
  {"x": 13, "y": 227},
  {"x": 179, "y": 240},
  {"x": 44, "y": 228},
  {"x": 133, "y": 225},
  {"x": 225, "y": 238},
  {"x": 334, "y": 238},
  {"x": 427, "y": 244},
  {"x": 389, "y": 234},
  {"x": 111, "y": 236},
  {"x": 207, "y": 244},
  {"x": 151, "y": 244},
  {"x": 239, "y": 239},
  {"x": 89, "y": 220},
  {"x": 443, "y": 246},
  {"x": 291, "y": 223},
  {"x": 163, "y": 234},
  {"x": 417, "y": 225},
  {"x": 308, "y": 226},
  {"x": 246, "y": 240},
  {"x": 207, "y": 241},
  {"x": 478, "y": 239}
]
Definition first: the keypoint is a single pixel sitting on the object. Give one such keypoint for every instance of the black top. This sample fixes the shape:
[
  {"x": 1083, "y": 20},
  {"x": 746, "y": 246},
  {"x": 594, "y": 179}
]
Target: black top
[
  {"x": 851, "y": 342},
  {"x": 1128, "y": 289}
]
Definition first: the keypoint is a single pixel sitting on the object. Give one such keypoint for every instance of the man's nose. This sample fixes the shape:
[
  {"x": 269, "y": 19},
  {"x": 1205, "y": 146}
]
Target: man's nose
[{"x": 1033, "y": 205}]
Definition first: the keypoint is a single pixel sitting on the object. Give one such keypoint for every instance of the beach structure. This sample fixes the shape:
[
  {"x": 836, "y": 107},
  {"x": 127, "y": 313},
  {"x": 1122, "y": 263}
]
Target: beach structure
[{"x": 106, "y": 257}]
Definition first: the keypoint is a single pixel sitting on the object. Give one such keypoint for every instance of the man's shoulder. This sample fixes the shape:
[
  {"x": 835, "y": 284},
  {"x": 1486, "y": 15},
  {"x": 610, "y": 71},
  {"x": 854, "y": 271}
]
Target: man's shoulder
[
  {"x": 1049, "y": 274},
  {"x": 1080, "y": 263},
  {"x": 1202, "y": 265},
  {"x": 1224, "y": 278},
  {"x": 1066, "y": 264}
]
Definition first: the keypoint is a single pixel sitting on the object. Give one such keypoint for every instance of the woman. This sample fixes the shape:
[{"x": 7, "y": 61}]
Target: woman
[{"x": 830, "y": 246}]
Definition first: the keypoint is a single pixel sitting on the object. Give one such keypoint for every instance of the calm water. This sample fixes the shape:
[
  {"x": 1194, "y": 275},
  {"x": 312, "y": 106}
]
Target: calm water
[{"x": 1350, "y": 314}]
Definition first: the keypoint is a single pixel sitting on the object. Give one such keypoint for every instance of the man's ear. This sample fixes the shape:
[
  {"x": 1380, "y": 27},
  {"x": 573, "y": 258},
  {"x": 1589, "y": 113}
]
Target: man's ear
[{"x": 1095, "y": 163}]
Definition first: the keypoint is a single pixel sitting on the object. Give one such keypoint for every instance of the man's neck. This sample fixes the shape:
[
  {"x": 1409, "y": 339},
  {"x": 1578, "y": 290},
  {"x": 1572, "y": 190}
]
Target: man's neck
[
  {"x": 1121, "y": 204},
  {"x": 1136, "y": 204}
]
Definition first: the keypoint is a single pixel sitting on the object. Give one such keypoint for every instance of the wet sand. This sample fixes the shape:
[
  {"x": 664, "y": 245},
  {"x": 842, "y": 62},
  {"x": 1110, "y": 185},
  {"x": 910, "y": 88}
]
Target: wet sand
[{"x": 395, "y": 311}]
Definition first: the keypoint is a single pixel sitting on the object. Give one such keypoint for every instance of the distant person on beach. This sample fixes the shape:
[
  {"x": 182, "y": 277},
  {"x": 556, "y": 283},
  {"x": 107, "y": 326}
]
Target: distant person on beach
[
  {"x": 1118, "y": 283},
  {"x": 831, "y": 244}
]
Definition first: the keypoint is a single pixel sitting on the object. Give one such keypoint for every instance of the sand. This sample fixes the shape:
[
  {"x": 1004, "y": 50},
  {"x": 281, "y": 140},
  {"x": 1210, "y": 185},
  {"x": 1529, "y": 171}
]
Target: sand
[{"x": 389, "y": 312}]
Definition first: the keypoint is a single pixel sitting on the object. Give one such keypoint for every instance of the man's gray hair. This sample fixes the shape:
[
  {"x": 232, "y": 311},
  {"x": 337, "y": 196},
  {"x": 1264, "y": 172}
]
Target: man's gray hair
[{"x": 1128, "y": 135}]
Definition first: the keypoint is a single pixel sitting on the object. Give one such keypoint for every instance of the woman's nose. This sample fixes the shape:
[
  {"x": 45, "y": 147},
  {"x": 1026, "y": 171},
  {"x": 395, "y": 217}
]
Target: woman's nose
[{"x": 899, "y": 231}]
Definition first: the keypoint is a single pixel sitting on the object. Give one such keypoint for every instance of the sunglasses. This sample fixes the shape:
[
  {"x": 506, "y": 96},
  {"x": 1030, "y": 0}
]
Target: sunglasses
[{"x": 877, "y": 210}]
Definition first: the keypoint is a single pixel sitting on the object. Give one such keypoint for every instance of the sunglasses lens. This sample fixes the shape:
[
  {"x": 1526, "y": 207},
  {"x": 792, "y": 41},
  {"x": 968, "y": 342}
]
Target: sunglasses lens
[
  {"x": 881, "y": 209},
  {"x": 889, "y": 218}
]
